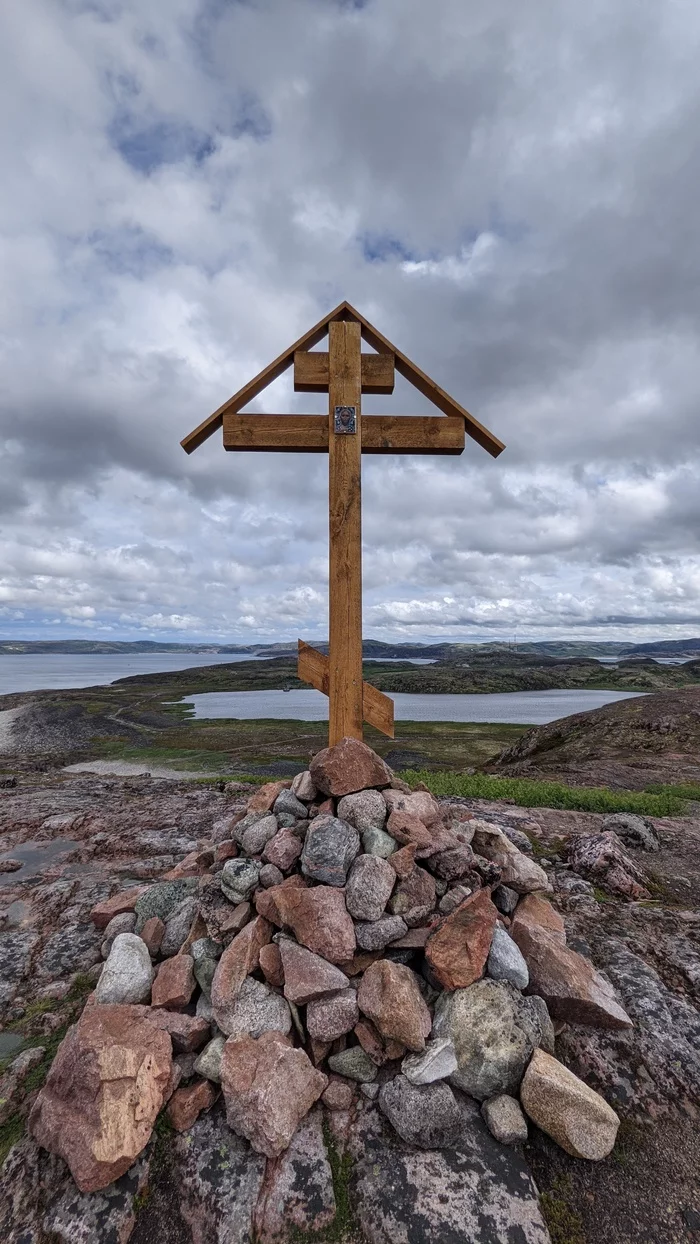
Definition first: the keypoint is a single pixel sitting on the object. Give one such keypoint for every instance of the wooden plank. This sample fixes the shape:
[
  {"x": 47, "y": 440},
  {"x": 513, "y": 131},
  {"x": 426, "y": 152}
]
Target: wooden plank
[
  {"x": 345, "y": 538},
  {"x": 311, "y": 372},
  {"x": 377, "y": 709},
  {"x": 381, "y": 434},
  {"x": 306, "y": 434},
  {"x": 265, "y": 377},
  {"x": 428, "y": 387},
  {"x": 413, "y": 434}
]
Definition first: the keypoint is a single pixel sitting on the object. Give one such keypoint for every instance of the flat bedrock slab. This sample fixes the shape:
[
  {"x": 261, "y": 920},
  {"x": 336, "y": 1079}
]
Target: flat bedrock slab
[
  {"x": 478, "y": 1190},
  {"x": 347, "y": 767},
  {"x": 219, "y": 1180},
  {"x": 297, "y": 1196}
]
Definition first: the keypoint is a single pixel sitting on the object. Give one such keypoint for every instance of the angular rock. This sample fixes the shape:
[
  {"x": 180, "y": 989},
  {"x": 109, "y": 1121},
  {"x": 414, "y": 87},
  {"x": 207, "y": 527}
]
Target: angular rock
[
  {"x": 240, "y": 958},
  {"x": 177, "y": 927},
  {"x": 505, "y": 1120},
  {"x": 195, "y": 864},
  {"x": 271, "y": 965},
  {"x": 505, "y": 962},
  {"x": 535, "y": 911},
  {"x": 601, "y": 859},
  {"x": 414, "y": 898},
  {"x": 269, "y": 1086},
  {"x": 257, "y": 1009},
  {"x": 427, "y": 1115},
  {"x": 418, "y": 803},
  {"x": 403, "y": 861},
  {"x": 494, "y": 1031},
  {"x": 454, "y": 863},
  {"x": 569, "y": 984},
  {"x": 366, "y": 810},
  {"x": 303, "y": 787},
  {"x": 518, "y": 871},
  {"x": 505, "y": 899},
  {"x": 347, "y": 767},
  {"x": 329, "y": 849},
  {"x": 317, "y": 917},
  {"x": 437, "y": 1061},
  {"x": 264, "y": 798},
  {"x": 331, "y": 1017},
  {"x": 174, "y": 983},
  {"x": 307, "y": 976},
  {"x": 103, "y": 1092},
  {"x": 288, "y": 804},
  {"x": 390, "y": 997},
  {"x": 226, "y": 850},
  {"x": 118, "y": 924},
  {"x": 152, "y": 934},
  {"x": 575, "y": 1116},
  {"x": 380, "y": 933},
  {"x": 162, "y": 899},
  {"x": 124, "y": 901},
  {"x": 238, "y": 878},
  {"x": 410, "y": 831},
  {"x": 188, "y": 1102},
  {"x": 208, "y": 1062},
  {"x": 453, "y": 899},
  {"x": 127, "y": 975},
  {"x": 458, "y": 949},
  {"x": 476, "y": 1191},
  {"x": 243, "y": 824},
  {"x": 187, "y": 1032},
  {"x": 354, "y": 1064},
  {"x": 369, "y": 886},
  {"x": 283, "y": 850},
  {"x": 254, "y": 840}
]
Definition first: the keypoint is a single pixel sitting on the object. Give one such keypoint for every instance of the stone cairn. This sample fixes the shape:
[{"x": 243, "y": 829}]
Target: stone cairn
[{"x": 344, "y": 939}]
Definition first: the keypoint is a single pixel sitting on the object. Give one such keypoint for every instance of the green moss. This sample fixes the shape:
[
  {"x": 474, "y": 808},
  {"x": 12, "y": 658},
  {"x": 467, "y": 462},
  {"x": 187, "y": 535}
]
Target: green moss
[
  {"x": 343, "y": 1227},
  {"x": 531, "y": 793},
  {"x": 564, "y": 1222},
  {"x": 11, "y": 1131}
]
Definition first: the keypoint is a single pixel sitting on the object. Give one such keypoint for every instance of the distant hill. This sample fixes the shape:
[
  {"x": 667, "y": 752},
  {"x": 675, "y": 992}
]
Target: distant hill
[
  {"x": 666, "y": 648},
  {"x": 631, "y": 744}
]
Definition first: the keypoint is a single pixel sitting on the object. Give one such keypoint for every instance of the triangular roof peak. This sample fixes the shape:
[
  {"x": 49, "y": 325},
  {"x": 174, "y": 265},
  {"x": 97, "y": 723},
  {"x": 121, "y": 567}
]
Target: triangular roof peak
[{"x": 370, "y": 334}]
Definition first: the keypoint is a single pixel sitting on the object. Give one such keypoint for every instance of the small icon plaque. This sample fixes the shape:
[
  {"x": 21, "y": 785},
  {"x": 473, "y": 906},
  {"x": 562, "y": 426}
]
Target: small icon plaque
[{"x": 345, "y": 419}]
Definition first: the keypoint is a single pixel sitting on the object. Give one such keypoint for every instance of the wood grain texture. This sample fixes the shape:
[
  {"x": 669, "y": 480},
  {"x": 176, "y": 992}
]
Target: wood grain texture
[
  {"x": 345, "y": 532},
  {"x": 306, "y": 434},
  {"x": 381, "y": 434},
  {"x": 311, "y": 372},
  {"x": 377, "y": 709},
  {"x": 265, "y": 377}
]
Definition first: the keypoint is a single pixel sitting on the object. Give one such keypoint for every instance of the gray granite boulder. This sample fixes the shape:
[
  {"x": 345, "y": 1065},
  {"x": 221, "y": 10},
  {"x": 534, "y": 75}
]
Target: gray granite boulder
[
  {"x": 505, "y": 962},
  {"x": 365, "y": 810},
  {"x": 238, "y": 879},
  {"x": 329, "y": 849},
  {"x": 377, "y": 934},
  {"x": 494, "y": 1031},
  {"x": 256, "y": 838},
  {"x": 426, "y": 1115},
  {"x": 369, "y": 885},
  {"x": 287, "y": 804},
  {"x": 177, "y": 926},
  {"x": 378, "y": 842},
  {"x": 257, "y": 1009},
  {"x": 128, "y": 974}
]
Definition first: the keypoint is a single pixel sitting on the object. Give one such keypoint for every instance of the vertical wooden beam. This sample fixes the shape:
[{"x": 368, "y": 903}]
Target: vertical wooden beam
[{"x": 345, "y": 570}]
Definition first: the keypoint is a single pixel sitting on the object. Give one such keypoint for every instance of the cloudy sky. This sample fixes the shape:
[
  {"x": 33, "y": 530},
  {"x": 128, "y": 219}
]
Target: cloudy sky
[{"x": 509, "y": 191}]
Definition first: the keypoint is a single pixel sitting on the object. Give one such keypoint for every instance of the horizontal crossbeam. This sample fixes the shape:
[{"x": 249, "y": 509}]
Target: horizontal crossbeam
[
  {"x": 312, "y": 372},
  {"x": 377, "y": 709},
  {"x": 381, "y": 434}
]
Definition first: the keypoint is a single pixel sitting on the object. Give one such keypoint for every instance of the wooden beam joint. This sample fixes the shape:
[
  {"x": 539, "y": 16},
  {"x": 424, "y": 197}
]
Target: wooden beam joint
[{"x": 312, "y": 372}]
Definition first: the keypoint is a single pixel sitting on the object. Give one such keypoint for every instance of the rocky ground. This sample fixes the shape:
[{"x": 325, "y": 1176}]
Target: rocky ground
[{"x": 364, "y": 1163}]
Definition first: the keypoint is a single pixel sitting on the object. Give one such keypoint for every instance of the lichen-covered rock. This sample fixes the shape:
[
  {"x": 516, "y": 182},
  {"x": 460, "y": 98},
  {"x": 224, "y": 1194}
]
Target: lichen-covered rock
[
  {"x": 162, "y": 899},
  {"x": 269, "y": 1086},
  {"x": 578, "y": 1118},
  {"x": 257, "y": 1009},
  {"x": 177, "y": 926},
  {"x": 208, "y": 1062},
  {"x": 219, "y": 1181},
  {"x": 330, "y": 847},
  {"x": 238, "y": 878},
  {"x": 634, "y": 831},
  {"x": 297, "y": 1198},
  {"x": 505, "y": 1120},
  {"x": 354, "y": 1064},
  {"x": 103, "y": 1093},
  {"x": 494, "y": 1031},
  {"x": 256, "y": 837},
  {"x": 601, "y": 859},
  {"x": 378, "y": 842}
]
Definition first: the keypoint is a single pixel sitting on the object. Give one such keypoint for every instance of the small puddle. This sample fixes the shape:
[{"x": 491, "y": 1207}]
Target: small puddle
[
  {"x": 35, "y": 856},
  {"x": 9, "y": 1042}
]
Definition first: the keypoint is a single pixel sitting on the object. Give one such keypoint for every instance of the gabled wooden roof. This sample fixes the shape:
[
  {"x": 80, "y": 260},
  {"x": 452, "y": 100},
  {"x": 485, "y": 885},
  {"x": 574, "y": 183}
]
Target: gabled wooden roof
[{"x": 408, "y": 369}]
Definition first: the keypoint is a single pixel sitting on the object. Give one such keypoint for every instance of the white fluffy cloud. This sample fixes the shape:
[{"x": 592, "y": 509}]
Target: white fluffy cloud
[{"x": 507, "y": 191}]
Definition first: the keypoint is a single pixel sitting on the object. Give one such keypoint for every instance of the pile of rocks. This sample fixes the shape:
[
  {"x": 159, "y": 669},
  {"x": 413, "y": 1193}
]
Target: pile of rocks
[{"x": 343, "y": 939}]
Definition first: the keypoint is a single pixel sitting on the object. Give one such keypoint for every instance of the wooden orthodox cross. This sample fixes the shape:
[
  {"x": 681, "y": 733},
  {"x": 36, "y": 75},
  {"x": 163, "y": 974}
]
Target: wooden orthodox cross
[{"x": 345, "y": 373}]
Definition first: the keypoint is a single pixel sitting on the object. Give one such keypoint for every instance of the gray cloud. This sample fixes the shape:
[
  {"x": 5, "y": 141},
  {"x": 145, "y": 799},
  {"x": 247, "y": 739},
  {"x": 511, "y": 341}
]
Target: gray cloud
[{"x": 509, "y": 193}]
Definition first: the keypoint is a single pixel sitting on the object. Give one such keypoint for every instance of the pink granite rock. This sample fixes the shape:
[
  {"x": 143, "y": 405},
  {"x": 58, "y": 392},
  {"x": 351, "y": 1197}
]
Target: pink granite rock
[{"x": 269, "y": 1086}]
